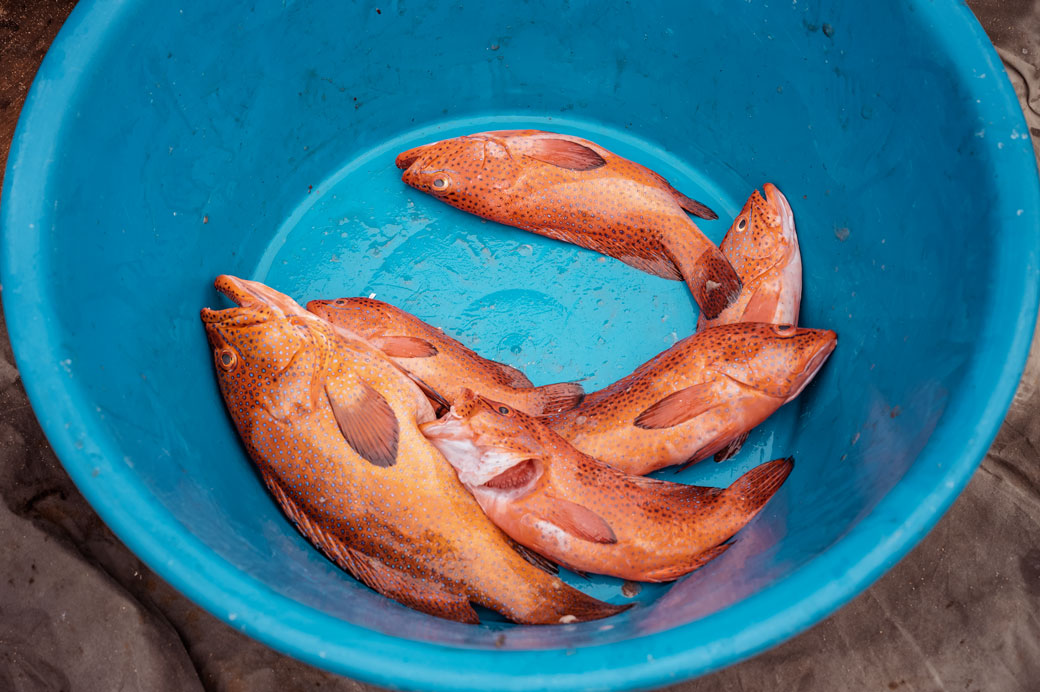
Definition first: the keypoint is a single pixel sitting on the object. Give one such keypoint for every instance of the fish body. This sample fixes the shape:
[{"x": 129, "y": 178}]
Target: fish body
[
  {"x": 762, "y": 246},
  {"x": 583, "y": 514},
  {"x": 332, "y": 426},
  {"x": 571, "y": 189},
  {"x": 441, "y": 363},
  {"x": 699, "y": 397}
]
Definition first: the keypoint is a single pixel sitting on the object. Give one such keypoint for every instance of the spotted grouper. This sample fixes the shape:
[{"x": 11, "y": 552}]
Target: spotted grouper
[
  {"x": 576, "y": 191},
  {"x": 700, "y": 397},
  {"x": 332, "y": 426},
  {"x": 762, "y": 245},
  {"x": 442, "y": 365},
  {"x": 583, "y": 514}
]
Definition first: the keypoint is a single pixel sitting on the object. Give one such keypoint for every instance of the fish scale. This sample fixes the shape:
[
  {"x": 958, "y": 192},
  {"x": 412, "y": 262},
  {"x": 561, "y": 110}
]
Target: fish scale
[{"x": 408, "y": 529}]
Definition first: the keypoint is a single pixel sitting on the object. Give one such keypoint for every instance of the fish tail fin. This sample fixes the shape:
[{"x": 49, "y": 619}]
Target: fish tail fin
[
  {"x": 713, "y": 281},
  {"x": 750, "y": 493},
  {"x": 555, "y": 398},
  {"x": 570, "y": 605}
]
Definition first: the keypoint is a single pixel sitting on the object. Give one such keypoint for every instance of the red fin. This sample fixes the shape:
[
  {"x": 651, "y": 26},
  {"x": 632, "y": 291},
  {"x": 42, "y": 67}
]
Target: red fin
[
  {"x": 761, "y": 307},
  {"x": 713, "y": 282},
  {"x": 678, "y": 407},
  {"x": 367, "y": 422},
  {"x": 564, "y": 153},
  {"x": 752, "y": 491},
  {"x": 404, "y": 346},
  {"x": 691, "y": 205},
  {"x": 665, "y": 490},
  {"x": 579, "y": 521},
  {"x": 556, "y": 398},
  {"x": 428, "y": 597},
  {"x": 542, "y": 563},
  {"x": 731, "y": 448},
  {"x": 675, "y": 571},
  {"x": 441, "y": 404},
  {"x": 512, "y": 376}
]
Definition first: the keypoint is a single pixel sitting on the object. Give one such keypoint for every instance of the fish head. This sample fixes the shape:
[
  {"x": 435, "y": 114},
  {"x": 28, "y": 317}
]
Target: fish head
[
  {"x": 496, "y": 449},
  {"x": 778, "y": 360},
  {"x": 360, "y": 318},
  {"x": 763, "y": 231},
  {"x": 266, "y": 345},
  {"x": 465, "y": 172}
]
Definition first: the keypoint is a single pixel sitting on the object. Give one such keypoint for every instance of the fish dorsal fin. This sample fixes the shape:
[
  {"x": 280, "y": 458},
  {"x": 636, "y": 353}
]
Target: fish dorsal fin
[
  {"x": 367, "y": 422},
  {"x": 679, "y": 407},
  {"x": 564, "y": 154},
  {"x": 513, "y": 377},
  {"x": 578, "y": 521},
  {"x": 692, "y": 206},
  {"x": 404, "y": 346},
  {"x": 423, "y": 595}
]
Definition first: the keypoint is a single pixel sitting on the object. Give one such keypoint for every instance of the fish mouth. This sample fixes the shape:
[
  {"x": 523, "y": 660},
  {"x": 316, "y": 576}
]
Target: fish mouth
[
  {"x": 778, "y": 201},
  {"x": 815, "y": 364},
  {"x": 405, "y": 159}
]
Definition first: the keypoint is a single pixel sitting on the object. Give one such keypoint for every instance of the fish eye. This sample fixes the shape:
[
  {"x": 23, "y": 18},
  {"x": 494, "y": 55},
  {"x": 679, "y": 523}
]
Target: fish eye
[
  {"x": 441, "y": 183},
  {"x": 742, "y": 224},
  {"x": 340, "y": 301},
  {"x": 504, "y": 410},
  {"x": 227, "y": 359}
]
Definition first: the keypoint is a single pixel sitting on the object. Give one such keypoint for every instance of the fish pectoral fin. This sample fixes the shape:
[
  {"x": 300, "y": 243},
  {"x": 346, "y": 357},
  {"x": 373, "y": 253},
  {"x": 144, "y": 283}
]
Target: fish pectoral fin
[
  {"x": 367, "y": 422},
  {"x": 679, "y": 407},
  {"x": 580, "y": 522},
  {"x": 673, "y": 572},
  {"x": 731, "y": 448},
  {"x": 761, "y": 307},
  {"x": 564, "y": 154},
  {"x": 426, "y": 596},
  {"x": 404, "y": 346},
  {"x": 513, "y": 377}
]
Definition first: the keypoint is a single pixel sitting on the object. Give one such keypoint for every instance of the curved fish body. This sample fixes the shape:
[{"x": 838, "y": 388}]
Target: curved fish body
[
  {"x": 762, "y": 245},
  {"x": 442, "y": 364},
  {"x": 332, "y": 426},
  {"x": 576, "y": 191},
  {"x": 698, "y": 398},
  {"x": 583, "y": 514}
]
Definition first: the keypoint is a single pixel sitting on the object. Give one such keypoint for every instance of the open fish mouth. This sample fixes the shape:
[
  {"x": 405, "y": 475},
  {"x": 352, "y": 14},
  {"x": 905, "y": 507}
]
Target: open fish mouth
[{"x": 405, "y": 159}]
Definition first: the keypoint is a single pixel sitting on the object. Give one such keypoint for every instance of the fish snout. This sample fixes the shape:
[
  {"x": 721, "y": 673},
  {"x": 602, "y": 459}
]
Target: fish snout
[
  {"x": 826, "y": 344},
  {"x": 405, "y": 159}
]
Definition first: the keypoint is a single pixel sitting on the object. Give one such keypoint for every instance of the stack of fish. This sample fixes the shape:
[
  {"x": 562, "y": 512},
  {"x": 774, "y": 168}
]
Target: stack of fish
[{"x": 442, "y": 479}]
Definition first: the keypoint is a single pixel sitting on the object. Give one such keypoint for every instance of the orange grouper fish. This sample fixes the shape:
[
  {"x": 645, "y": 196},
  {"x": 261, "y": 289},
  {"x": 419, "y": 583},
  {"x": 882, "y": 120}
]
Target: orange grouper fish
[
  {"x": 442, "y": 363},
  {"x": 583, "y": 514},
  {"x": 699, "y": 397},
  {"x": 762, "y": 246},
  {"x": 576, "y": 191},
  {"x": 332, "y": 426}
]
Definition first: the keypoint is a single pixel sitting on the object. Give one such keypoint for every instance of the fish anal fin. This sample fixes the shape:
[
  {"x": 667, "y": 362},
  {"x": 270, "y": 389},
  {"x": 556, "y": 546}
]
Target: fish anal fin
[
  {"x": 750, "y": 493},
  {"x": 665, "y": 490},
  {"x": 678, "y": 407},
  {"x": 404, "y": 346},
  {"x": 578, "y": 521},
  {"x": 564, "y": 154},
  {"x": 673, "y": 572},
  {"x": 692, "y": 206},
  {"x": 366, "y": 421},
  {"x": 731, "y": 448},
  {"x": 425, "y": 596}
]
